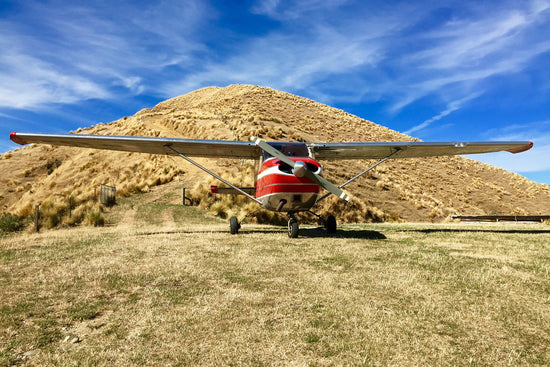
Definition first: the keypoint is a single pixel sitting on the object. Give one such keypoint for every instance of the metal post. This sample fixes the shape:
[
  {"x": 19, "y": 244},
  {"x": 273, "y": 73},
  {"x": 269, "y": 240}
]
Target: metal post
[{"x": 183, "y": 196}]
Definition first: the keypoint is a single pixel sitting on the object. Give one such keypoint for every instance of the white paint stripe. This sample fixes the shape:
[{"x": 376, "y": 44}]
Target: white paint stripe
[
  {"x": 273, "y": 171},
  {"x": 311, "y": 194},
  {"x": 288, "y": 184}
]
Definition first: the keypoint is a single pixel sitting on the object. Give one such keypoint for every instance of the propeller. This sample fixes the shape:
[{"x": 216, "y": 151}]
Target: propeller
[{"x": 299, "y": 169}]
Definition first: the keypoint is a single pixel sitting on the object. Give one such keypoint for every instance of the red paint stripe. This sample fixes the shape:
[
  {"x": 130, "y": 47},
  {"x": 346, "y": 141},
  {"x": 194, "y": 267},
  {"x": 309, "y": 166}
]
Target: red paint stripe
[
  {"x": 282, "y": 179},
  {"x": 522, "y": 149},
  {"x": 272, "y": 184},
  {"x": 282, "y": 189},
  {"x": 16, "y": 139}
]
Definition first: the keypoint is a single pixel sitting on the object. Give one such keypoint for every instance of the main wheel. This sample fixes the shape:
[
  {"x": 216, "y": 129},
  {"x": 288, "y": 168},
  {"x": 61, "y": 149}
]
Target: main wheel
[
  {"x": 330, "y": 224},
  {"x": 234, "y": 225},
  {"x": 292, "y": 228}
]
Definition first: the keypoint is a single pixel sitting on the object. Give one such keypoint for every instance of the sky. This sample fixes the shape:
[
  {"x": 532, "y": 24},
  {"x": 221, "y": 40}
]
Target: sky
[{"x": 436, "y": 70}]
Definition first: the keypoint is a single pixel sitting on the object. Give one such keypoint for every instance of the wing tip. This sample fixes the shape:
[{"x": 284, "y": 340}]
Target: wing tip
[
  {"x": 522, "y": 148},
  {"x": 17, "y": 139}
]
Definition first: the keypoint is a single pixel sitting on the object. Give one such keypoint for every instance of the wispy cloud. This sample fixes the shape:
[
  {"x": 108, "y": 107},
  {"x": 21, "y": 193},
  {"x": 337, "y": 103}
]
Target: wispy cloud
[
  {"x": 292, "y": 10},
  {"x": 451, "y": 107},
  {"x": 285, "y": 62},
  {"x": 26, "y": 81},
  {"x": 538, "y": 131},
  {"x": 65, "y": 53},
  {"x": 534, "y": 160},
  {"x": 463, "y": 55}
]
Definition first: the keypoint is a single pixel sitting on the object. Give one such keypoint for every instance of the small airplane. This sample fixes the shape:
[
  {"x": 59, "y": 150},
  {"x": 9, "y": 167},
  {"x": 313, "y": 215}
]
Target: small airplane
[{"x": 289, "y": 178}]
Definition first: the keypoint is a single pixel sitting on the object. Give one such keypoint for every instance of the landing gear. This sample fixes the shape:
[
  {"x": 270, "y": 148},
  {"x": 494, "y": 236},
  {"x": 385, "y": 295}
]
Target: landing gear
[
  {"x": 234, "y": 225},
  {"x": 292, "y": 228},
  {"x": 330, "y": 224}
]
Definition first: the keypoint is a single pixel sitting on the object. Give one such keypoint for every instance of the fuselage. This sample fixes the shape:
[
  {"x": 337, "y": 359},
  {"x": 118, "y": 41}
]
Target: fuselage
[{"x": 279, "y": 189}]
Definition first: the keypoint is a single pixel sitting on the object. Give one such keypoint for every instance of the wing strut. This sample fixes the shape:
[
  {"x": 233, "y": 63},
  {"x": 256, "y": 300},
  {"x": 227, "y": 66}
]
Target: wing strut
[
  {"x": 213, "y": 174},
  {"x": 362, "y": 173}
]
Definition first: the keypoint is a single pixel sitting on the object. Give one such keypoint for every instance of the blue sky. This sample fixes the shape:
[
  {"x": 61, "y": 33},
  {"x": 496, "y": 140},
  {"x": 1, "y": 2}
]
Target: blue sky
[{"x": 439, "y": 71}]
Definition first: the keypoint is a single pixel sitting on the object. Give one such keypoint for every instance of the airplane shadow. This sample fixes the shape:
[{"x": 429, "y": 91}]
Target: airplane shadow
[
  {"x": 304, "y": 233},
  {"x": 348, "y": 233},
  {"x": 320, "y": 232}
]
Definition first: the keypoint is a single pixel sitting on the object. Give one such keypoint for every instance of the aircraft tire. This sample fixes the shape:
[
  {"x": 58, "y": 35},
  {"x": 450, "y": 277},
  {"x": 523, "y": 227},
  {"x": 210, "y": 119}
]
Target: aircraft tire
[
  {"x": 293, "y": 228},
  {"x": 234, "y": 225},
  {"x": 330, "y": 224}
]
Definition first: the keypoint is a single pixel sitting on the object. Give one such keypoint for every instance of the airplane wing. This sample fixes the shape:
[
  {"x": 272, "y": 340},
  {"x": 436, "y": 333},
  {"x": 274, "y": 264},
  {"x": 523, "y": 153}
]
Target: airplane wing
[
  {"x": 376, "y": 150},
  {"x": 248, "y": 150},
  {"x": 190, "y": 147}
]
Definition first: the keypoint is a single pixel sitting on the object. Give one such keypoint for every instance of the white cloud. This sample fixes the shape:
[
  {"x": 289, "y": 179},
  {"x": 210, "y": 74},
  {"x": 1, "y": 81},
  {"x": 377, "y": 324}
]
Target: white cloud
[
  {"x": 534, "y": 160},
  {"x": 64, "y": 53},
  {"x": 291, "y": 10},
  {"x": 464, "y": 53},
  {"x": 26, "y": 81},
  {"x": 285, "y": 62},
  {"x": 451, "y": 107}
]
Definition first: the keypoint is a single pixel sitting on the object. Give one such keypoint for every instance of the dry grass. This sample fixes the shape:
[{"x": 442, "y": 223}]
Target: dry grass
[{"x": 166, "y": 284}]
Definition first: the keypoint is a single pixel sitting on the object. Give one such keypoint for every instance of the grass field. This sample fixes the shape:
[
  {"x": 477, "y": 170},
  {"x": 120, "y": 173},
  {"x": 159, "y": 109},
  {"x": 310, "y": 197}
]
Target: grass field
[{"x": 167, "y": 285}]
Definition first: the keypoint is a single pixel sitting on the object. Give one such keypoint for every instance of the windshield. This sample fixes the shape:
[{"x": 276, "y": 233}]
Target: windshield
[{"x": 289, "y": 149}]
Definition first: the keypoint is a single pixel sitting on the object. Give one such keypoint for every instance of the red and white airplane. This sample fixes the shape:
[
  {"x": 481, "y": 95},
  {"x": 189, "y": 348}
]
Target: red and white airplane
[{"x": 290, "y": 177}]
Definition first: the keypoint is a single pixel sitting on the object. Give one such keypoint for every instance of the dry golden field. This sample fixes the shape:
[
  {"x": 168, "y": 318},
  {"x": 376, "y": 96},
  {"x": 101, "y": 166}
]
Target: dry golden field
[{"x": 163, "y": 284}]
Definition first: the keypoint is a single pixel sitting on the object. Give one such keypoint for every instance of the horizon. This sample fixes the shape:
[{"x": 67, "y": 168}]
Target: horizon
[{"x": 438, "y": 72}]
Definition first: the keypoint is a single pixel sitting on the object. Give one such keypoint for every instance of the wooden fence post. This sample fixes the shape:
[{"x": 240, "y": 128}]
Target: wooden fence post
[{"x": 36, "y": 217}]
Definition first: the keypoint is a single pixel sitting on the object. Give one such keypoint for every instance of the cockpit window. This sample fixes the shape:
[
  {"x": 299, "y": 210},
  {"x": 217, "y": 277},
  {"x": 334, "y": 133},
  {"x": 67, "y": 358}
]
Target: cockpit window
[{"x": 289, "y": 149}]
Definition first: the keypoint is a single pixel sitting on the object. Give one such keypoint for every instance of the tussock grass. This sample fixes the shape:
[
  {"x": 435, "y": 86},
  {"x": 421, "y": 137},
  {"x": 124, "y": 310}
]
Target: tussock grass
[{"x": 182, "y": 291}]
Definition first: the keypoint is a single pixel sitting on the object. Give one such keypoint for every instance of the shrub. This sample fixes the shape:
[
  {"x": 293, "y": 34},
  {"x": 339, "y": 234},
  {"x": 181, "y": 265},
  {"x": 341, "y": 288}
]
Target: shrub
[
  {"x": 10, "y": 223},
  {"x": 51, "y": 213},
  {"x": 95, "y": 218},
  {"x": 52, "y": 165}
]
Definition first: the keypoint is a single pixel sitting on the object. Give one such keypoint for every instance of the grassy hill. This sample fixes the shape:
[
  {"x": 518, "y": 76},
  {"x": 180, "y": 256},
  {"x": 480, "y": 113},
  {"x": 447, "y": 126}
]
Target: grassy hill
[{"x": 401, "y": 190}]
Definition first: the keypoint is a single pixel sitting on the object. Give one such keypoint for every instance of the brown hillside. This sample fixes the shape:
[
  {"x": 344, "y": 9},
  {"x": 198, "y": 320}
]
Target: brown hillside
[{"x": 410, "y": 190}]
